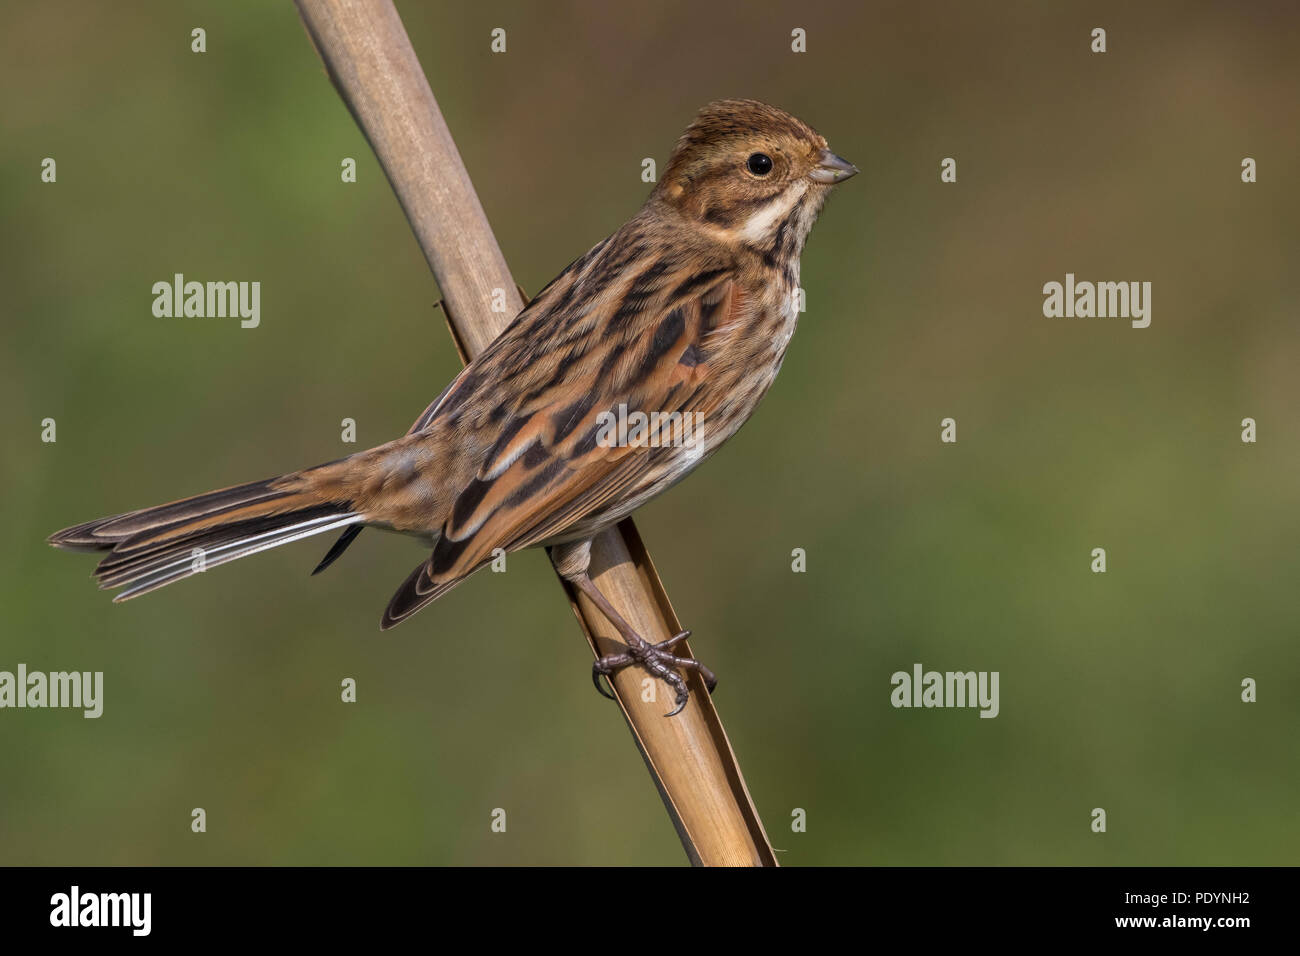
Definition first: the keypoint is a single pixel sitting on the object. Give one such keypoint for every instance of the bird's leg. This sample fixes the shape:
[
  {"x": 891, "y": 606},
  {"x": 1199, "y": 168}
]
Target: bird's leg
[{"x": 657, "y": 660}]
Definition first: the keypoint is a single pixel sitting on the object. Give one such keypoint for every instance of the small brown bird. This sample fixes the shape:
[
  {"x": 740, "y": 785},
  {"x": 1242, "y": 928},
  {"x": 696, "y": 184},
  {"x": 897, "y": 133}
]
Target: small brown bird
[{"x": 686, "y": 311}]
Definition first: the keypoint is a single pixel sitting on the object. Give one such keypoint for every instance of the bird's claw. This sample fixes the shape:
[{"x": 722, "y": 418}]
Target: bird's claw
[{"x": 657, "y": 661}]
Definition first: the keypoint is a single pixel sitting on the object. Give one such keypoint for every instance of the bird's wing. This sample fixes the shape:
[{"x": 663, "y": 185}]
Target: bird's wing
[{"x": 549, "y": 465}]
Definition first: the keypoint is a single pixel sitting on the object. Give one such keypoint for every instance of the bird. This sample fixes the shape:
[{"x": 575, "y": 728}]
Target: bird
[{"x": 683, "y": 314}]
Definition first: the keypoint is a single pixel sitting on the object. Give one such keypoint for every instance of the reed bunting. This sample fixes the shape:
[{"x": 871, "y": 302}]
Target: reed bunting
[{"x": 688, "y": 308}]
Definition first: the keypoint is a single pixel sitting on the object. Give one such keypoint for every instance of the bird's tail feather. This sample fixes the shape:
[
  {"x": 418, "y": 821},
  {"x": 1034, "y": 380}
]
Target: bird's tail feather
[{"x": 154, "y": 547}]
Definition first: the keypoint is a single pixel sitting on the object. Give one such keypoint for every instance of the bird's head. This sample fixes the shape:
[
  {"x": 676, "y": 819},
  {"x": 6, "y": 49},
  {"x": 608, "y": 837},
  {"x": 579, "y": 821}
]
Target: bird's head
[{"x": 751, "y": 173}]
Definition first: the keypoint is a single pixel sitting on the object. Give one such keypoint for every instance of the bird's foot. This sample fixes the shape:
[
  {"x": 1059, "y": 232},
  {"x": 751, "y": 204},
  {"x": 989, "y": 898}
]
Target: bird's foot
[{"x": 657, "y": 660}]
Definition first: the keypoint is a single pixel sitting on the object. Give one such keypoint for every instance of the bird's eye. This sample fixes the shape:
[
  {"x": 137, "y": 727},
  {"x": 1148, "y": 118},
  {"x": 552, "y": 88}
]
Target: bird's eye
[{"x": 760, "y": 164}]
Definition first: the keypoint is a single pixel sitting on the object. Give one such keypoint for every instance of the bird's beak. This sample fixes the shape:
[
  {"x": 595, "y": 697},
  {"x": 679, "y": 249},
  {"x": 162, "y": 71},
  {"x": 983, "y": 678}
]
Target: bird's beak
[{"x": 832, "y": 169}]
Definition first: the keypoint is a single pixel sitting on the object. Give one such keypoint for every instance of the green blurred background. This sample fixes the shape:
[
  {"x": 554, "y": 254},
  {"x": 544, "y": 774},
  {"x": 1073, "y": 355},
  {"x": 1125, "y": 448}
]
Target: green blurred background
[{"x": 1119, "y": 691}]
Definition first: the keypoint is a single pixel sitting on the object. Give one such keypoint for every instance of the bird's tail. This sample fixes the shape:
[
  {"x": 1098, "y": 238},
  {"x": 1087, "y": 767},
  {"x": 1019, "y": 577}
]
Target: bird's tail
[{"x": 154, "y": 547}]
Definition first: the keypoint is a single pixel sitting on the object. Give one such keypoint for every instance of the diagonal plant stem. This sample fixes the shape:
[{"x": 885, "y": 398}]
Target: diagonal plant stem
[{"x": 372, "y": 65}]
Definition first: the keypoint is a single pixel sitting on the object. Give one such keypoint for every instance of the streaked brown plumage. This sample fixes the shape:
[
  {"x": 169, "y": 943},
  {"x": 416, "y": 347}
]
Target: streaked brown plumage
[{"x": 689, "y": 307}]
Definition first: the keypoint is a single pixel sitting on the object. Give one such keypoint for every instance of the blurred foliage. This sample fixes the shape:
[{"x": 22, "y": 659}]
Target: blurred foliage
[{"x": 1118, "y": 691}]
